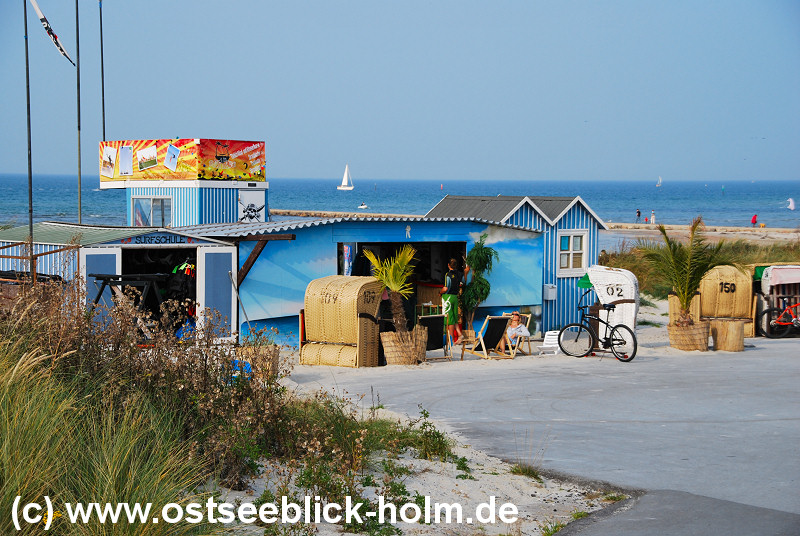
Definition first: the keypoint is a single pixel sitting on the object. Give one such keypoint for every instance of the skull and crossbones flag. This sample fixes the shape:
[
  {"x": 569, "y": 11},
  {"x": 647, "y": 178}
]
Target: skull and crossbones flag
[{"x": 50, "y": 32}]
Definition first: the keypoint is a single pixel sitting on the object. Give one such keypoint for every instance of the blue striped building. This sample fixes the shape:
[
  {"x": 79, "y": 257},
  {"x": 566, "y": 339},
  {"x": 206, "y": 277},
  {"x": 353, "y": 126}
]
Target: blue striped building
[{"x": 570, "y": 230}]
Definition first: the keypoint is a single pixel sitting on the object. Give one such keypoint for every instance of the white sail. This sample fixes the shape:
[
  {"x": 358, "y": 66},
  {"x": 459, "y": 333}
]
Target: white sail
[
  {"x": 791, "y": 204},
  {"x": 659, "y": 181},
  {"x": 347, "y": 181}
]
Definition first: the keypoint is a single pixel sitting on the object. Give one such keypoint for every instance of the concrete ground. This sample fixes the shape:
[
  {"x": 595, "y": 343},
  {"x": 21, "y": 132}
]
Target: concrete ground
[{"x": 713, "y": 439}]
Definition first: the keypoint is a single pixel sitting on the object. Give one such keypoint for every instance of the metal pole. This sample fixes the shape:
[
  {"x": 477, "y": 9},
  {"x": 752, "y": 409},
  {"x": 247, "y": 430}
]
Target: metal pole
[
  {"x": 30, "y": 166},
  {"x": 102, "y": 73},
  {"x": 78, "y": 61}
]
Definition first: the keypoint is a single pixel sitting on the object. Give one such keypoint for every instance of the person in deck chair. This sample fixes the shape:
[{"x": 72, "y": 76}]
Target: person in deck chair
[{"x": 515, "y": 329}]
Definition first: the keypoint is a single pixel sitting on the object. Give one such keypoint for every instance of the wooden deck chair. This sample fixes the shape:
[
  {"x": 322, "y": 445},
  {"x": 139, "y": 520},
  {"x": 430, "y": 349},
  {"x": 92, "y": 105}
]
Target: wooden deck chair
[
  {"x": 436, "y": 336},
  {"x": 488, "y": 338},
  {"x": 517, "y": 348},
  {"x": 550, "y": 343}
]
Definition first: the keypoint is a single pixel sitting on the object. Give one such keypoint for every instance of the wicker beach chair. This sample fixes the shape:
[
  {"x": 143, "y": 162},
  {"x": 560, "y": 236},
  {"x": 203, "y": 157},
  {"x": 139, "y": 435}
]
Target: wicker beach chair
[{"x": 488, "y": 338}]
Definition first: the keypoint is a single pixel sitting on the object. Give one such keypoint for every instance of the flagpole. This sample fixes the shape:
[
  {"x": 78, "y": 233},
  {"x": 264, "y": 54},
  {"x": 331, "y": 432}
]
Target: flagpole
[
  {"x": 30, "y": 167},
  {"x": 78, "y": 61},
  {"x": 102, "y": 73}
]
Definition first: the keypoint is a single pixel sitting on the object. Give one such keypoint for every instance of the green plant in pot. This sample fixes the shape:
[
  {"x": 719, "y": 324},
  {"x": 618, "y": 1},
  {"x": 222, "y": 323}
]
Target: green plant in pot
[
  {"x": 684, "y": 264},
  {"x": 394, "y": 274},
  {"x": 480, "y": 259}
]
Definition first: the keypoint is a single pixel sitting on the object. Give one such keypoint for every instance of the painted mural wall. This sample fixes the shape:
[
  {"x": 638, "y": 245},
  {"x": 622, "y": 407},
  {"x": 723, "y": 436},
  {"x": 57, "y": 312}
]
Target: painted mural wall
[{"x": 273, "y": 292}]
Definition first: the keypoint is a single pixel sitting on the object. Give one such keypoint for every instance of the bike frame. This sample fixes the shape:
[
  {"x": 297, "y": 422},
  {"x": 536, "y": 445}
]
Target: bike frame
[
  {"x": 584, "y": 315},
  {"x": 791, "y": 311}
]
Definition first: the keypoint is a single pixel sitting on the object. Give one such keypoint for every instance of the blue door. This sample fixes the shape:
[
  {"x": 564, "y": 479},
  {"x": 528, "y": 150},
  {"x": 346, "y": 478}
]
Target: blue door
[{"x": 215, "y": 293}]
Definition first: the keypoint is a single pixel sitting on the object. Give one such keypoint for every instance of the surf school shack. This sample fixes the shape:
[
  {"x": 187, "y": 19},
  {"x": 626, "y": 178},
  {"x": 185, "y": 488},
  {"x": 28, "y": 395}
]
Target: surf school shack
[
  {"x": 168, "y": 183},
  {"x": 175, "y": 265}
]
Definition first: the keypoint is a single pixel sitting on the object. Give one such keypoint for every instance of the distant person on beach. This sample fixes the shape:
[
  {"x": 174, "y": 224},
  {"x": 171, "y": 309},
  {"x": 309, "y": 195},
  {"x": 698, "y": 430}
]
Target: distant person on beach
[
  {"x": 652, "y": 217},
  {"x": 515, "y": 329},
  {"x": 754, "y": 220},
  {"x": 453, "y": 281},
  {"x": 638, "y": 215}
]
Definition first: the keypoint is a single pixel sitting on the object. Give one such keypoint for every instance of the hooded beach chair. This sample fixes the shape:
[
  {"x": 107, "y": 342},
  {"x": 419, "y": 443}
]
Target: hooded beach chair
[{"x": 488, "y": 338}]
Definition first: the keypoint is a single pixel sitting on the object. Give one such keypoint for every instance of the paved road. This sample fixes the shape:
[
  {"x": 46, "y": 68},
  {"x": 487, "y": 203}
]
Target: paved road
[{"x": 708, "y": 435}]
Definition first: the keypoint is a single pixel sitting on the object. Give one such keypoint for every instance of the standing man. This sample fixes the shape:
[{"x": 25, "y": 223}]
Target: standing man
[
  {"x": 638, "y": 215},
  {"x": 754, "y": 221},
  {"x": 453, "y": 281},
  {"x": 653, "y": 217}
]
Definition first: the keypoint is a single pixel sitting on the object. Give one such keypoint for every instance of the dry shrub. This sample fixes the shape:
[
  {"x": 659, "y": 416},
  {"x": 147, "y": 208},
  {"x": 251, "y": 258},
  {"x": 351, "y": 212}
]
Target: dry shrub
[{"x": 227, "y": 413}]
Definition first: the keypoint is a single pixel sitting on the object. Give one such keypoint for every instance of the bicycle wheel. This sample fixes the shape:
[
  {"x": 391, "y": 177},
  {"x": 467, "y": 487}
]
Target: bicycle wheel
[
  {"x": 774, "y": 323},
  {"x": 623, "y": 342},
  {"x": 576, "y": 340}
]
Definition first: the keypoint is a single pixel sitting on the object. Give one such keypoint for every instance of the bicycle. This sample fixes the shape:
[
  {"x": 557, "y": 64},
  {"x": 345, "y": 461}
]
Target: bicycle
[
  {"x": 578, "y": 339},
  {"x": 775, "y": 322}
]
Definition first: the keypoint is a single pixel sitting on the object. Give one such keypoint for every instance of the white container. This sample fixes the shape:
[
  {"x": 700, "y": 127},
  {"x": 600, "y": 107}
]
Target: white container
[{"x": 549, "y": 292}]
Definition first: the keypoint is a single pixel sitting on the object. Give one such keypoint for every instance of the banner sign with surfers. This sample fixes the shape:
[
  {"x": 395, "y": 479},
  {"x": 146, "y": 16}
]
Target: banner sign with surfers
[{"x": 181, "y": 159}]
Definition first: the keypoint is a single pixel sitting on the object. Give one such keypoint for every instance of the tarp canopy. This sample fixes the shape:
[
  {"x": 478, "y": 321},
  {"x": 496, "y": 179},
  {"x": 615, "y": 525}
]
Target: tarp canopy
[{"x": 779, "y": 275}]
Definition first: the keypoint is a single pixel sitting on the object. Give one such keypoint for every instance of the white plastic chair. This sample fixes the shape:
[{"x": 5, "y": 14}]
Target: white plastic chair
[{"x": 549, "y": 344}]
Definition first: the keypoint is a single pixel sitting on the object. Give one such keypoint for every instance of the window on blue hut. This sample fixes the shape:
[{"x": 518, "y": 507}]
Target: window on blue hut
[
  {"x": 152, "y": 212},
  {"x": 571, "y": 254}
]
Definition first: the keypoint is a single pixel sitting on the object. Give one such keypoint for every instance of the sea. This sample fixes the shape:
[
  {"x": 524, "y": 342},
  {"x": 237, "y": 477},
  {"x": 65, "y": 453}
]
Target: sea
[{"x": 721, "y": 203}]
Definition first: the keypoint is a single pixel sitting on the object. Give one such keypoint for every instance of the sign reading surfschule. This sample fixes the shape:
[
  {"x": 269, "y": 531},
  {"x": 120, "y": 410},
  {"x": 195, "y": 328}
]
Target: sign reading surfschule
[{"x": 180, "y": 159}]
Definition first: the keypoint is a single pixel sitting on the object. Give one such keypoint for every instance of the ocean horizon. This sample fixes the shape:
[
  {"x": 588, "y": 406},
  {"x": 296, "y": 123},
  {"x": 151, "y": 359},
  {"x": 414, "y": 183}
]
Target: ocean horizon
[{"x": 722, "y": 203}]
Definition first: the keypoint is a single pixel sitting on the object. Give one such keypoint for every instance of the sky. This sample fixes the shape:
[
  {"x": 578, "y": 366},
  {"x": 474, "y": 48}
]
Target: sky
[{"x": 527, "y": 89}]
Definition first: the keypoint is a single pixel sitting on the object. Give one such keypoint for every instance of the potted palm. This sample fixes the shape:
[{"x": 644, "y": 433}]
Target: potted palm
[
  {"x": 394, "y": 274},
  {"x": 684, "y": 265},
  {"x": 479, "y": 259}
]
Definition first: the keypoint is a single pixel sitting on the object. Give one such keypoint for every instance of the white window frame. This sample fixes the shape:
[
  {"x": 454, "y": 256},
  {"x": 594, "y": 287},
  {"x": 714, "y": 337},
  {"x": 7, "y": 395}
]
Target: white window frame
[
  {"x": 572, "y": 272},
  {"x": 151, "y": 198}
]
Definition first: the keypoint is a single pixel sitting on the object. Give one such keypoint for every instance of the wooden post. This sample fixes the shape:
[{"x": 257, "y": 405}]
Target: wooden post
[{"x": 728, "y": 334}]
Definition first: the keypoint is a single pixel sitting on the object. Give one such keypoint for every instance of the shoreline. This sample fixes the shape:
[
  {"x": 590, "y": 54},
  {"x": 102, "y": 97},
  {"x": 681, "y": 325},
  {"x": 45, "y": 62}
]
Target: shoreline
[
  {"x": 713, "y": 233},
  {"x": 616, "y": 230}
]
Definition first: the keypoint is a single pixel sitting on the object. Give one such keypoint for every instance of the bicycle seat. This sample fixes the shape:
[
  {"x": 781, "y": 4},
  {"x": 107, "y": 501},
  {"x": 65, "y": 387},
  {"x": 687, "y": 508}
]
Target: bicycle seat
[{"x": 609, "y": 306}]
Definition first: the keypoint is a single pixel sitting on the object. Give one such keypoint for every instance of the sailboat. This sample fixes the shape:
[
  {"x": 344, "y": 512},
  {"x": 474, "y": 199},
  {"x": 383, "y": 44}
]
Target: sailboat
[
  {"x": 791, "y": 204},
  {"x": 659, "y": 181},
  {"x": 347, "y": 181}
]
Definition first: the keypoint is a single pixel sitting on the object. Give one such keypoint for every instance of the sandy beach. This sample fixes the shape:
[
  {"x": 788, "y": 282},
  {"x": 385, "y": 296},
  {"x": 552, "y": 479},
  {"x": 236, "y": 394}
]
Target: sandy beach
[
  {"x": 541, "y": 502},
  {"x": 631, "y": 232}
]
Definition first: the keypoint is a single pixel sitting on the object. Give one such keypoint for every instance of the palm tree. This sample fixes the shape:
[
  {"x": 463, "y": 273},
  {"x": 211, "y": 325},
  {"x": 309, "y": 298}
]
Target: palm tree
[
  {"x": 393, "y": 275},
  {"x": 685, "y": 264},
  {"x": 479, "y": 259}
]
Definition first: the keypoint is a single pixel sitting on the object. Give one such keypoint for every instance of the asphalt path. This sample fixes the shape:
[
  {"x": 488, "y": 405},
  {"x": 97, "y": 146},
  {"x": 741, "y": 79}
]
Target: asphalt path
[{"x": 712, "y": 439}]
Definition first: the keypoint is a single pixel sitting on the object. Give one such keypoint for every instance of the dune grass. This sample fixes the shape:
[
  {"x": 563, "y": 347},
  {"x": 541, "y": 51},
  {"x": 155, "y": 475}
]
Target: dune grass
[{"x": 55, "y": 443}]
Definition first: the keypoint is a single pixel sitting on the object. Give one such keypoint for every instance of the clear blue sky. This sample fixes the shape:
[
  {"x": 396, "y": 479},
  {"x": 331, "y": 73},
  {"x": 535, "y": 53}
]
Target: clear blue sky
[{"x": 437, "y": 89}]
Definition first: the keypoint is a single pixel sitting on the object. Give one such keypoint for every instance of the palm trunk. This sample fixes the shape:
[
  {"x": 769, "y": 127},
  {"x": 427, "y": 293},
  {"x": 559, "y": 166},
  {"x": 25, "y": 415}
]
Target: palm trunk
[{"x": 398, "y": 312}]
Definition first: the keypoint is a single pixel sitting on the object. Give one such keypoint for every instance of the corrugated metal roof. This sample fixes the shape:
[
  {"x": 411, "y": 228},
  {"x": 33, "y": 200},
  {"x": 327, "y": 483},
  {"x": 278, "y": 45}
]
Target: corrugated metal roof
[
  {"x": 475, "y": 206},
  {"x": 242, "y": 229},
  {"x": 500, "y": 207},
  {"x": 50, "y": 232},
  {"x": 552, "y": 207}
]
